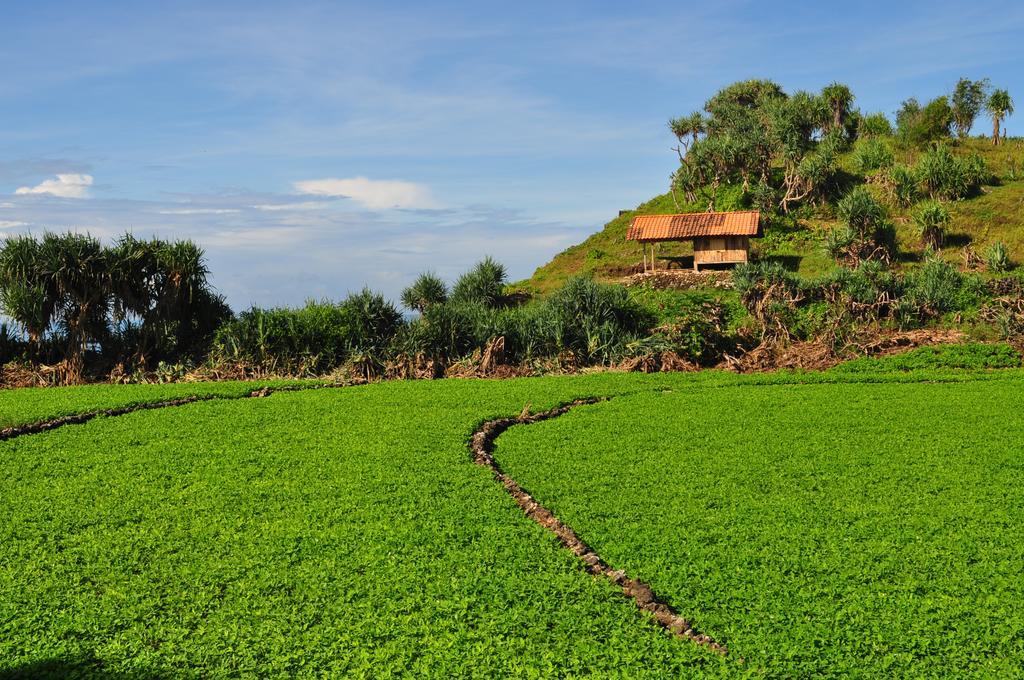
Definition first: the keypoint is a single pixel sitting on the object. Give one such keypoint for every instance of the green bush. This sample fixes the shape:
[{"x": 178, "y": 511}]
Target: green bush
[
  {"x": 872, "y": 154},
  {"x": 594, "y": 321},
  {"x": 931, "y": 218},
  {"x": 313, "y": 339},
  {"x": 943, "y": 175},
  {"x": 874, "y": 125},
  {"x": 484, "y": 284},
  {"x": 918, "y": 125},
  {"x": 938, "y": 288},
  {"x": 903, "y": 185},
  {"x": 428, "y": 289},
  {"x": 866, "y": 233}
]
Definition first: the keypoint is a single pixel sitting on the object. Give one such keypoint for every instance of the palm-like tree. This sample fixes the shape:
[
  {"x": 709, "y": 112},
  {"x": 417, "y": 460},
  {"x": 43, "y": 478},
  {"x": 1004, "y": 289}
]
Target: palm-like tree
[
  {"x": 75, "y": 267},
  {"x": 999, "y": 106},
  {"x": 26, "y": 294},
  {"x": 838, "y": 97},
  {"x": 156, "y": 282},
  {"x": 427, "y": 290}
]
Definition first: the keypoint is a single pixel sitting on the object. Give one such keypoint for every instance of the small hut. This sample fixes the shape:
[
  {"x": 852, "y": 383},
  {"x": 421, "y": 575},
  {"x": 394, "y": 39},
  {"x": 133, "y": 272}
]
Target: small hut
[{"x": 718, "y": 237}]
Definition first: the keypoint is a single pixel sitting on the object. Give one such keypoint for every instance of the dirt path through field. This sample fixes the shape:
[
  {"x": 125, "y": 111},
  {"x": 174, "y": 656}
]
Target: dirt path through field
[{"x": 482, "y": 448}]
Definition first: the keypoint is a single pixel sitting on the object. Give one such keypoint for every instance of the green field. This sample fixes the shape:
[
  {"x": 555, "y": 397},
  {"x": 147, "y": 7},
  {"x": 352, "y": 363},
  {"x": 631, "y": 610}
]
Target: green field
[{"x": 817, "y": 524}]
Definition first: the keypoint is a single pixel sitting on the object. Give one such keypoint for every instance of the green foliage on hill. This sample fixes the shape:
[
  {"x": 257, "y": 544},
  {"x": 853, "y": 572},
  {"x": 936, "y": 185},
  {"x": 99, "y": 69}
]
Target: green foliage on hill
[{"x": 796, "y": 156}]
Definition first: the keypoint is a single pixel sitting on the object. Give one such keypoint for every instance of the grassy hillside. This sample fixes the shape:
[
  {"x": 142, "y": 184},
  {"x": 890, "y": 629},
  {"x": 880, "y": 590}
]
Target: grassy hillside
[{"x": 993, "y": 214}]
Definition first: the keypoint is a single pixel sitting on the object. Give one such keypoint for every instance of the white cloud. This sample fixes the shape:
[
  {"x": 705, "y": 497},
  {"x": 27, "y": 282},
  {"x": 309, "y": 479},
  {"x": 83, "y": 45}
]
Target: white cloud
[
  {"x": 6, "y": 204},
  {"x": 304, "y": 205},
  {"x": 198, "y": 211},
  {"x": 12, "y": 224},
  {"x": 67, "y": 185},
  {"x": 373, "y": 194}
]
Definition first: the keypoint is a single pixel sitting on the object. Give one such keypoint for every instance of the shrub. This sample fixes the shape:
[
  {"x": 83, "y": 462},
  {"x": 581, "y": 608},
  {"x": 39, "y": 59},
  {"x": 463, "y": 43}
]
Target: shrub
[
  {"x": 594, "y": 321},
  {"x": 371, "y": 322},
  {"x": 938, "y": 288},
  {"x": 903, "y": 185},
  {"x": 931, "y": 218},
  {"x": 866, "y": 234},
  {"x": 997, "y": 258},
  {"x": 484, "y": 284},
  {"x": 872, "y": 154},
  {"x": 917, "y": 125},
  {"x": 313, "y": 339},
  {"x": 770, "y": 293},
  {"x": 943, "y": 175},
  {"x": 874, "y": 125},
  {"x": 425, "y": 291}
]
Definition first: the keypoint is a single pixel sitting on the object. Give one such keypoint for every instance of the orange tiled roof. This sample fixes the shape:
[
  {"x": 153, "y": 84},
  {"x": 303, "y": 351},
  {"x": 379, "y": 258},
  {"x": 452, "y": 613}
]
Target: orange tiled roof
[{"x": 693, "y": 225}]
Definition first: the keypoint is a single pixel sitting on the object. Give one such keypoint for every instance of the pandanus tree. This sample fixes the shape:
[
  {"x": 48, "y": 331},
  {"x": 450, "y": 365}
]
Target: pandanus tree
[
  {"x": 483, "y": 284},
  {"x": 75, "y": 272},
  {"x": 427, "y": 290},
  {"x": 838, "y": 98},
  {"x": 687, "y": 130},
  {"x": 57, "y": 285},
  {"x": 866, "y": 233},
  {"x": 26, "y": 292},
  {"x": 999, "y": 106},
  {"x": 161, "y": 292}
]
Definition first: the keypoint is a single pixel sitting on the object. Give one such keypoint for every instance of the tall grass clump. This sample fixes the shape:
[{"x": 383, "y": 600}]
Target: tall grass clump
[
  {"x": 865, "y": 233},
  {"x": 584, "y": 322},
  {"x": 903, "y": 185},
  {"x": 593, "y": 321}
]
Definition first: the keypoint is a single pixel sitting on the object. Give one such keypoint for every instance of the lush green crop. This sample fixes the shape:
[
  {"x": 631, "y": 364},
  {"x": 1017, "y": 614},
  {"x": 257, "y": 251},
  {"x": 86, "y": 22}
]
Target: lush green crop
[
  {"x": 874, "y": 530},
  {"x": 965, "y": 356},
  {"x": 30, "y": 405},
  {"x": 345, "y": 532},
  {"x": 340, "y": 532}
]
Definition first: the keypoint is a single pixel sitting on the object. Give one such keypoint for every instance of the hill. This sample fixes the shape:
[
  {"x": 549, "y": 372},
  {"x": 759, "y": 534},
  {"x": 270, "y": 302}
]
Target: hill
[{"x": 992, "y": 213}]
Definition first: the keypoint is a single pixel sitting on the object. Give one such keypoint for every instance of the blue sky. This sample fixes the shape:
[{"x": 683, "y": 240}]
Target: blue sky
[{"x": 313, "y": 148}]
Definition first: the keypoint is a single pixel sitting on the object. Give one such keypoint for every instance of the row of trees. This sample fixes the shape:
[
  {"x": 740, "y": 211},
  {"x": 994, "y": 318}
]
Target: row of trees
[
  {"x": 134, "y": 303},
  {"x": 939, "y": 118}
]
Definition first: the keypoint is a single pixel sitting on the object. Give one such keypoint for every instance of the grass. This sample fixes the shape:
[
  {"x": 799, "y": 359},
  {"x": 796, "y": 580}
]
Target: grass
[
  {"x": 820, "y": 530},
  {"x": 345, "y": 532}
]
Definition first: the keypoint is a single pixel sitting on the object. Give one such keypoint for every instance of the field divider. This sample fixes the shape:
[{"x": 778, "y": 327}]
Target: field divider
[
  {"x": 643, "y": 596},
  {"x": 16, "y": 431}
]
